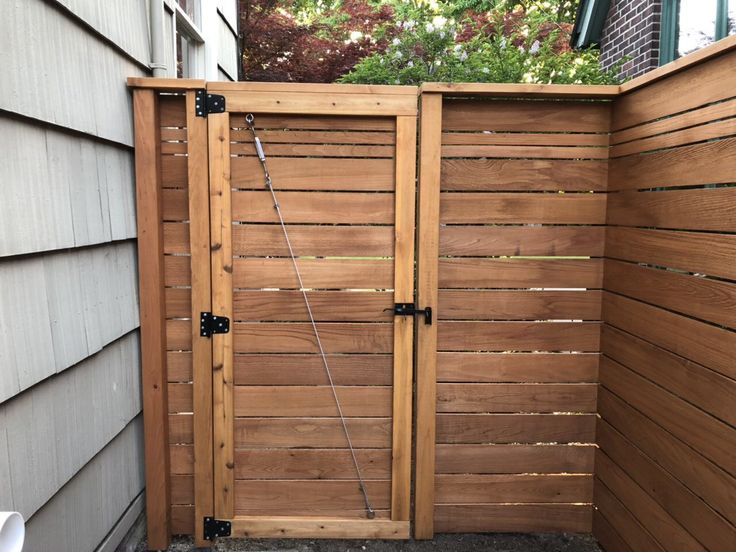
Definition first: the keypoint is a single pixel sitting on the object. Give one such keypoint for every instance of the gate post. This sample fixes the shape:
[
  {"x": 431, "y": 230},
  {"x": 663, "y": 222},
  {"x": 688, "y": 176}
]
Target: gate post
[{"x": 426, "y": 356}]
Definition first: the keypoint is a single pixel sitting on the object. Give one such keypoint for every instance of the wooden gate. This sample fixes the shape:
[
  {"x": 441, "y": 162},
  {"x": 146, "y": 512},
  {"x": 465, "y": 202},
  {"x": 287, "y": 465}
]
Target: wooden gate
[{"x": 342, "y": 162}]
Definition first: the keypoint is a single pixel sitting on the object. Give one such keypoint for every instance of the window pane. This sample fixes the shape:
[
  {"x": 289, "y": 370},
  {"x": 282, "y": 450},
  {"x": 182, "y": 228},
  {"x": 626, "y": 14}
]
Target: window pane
[
  {"x": 190, "y": 8},
  {"x": 732, "y": 17},
  {"x": 697, "y": 25}
]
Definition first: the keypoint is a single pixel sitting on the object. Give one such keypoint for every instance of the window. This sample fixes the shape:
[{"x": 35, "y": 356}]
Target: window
[{"x": 688, "y": 25}]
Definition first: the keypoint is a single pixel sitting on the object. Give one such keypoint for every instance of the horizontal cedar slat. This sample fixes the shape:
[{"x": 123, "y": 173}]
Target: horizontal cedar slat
[
  {"x": 178, "y": 335},
  {"x": 523, "y": 139},
  {"x": 358, "y": 306},
  {"x": 179, "y": 366},
  {"x": 713, "y": 438},
  {"x": 691, "y": 135},
  {"x": 308, "y": 496},
  {"x": 494, "y": 458},
  {"x": 710, "y": 254},
  {"x": 316, "y": 273},
  {"x": 182, "y": 489},
  {"x": 282, "y": 122},
  {"x": 531, "y": 116},
  {"x": 708, "y": 345},
  {"x": 512, "y": 488},
  {"x": 174, "y": 171},
  {"x": 298, "y": 337},
  {"x": 656, "y": 520},
  {"x": 298, "y": 369},
  {"x": 314, "y": 207},
  {"x": 521, "y": 240},
  {"x": 178, "y": 302},
  {"x": 677, "y": 122},
  {"x": 515, "y": 428},
  {"x": 522, "y": 175},
  {"x": 526, "y": 151},
  {"x": 172, "y": 111},
  {"x": 516, "y": 397},
  {"x": 518, "y": 336},
  {"x": 169, "y": 134},
  {"x": 175, "y": 204},
  {"x": 177, "y": 270},
  {"x": 311, "y": 464},
  {"x": 498, "y": 208},
  {"x": 704, "y": 298},
  {"x": 311, "y": 432},
  {"x": 518, "y": 305},
  {"x": 520, "y": 273},
  {"x": 305, "y": 136},
  {"x": 347, "y": 241},
  {"x": 181, "y": 459},
  {"x": 526, "y": 518},
  {"x": 702, "y": 84},
  {"x": 283, "y": 400},
  {"x": 709, "y": 390},
  {"x": 706, "y": 209},
  {"x": 182, "y": 520},
  {"x": 682, "y": 504},
  {"x": 624, "y": 522},
  {"x": 176, "y": 237},
  {"x": 328, "y": 151},
  {"x": 314, "y": 174},
  {"x": 180, "y": 397},
  {"x": 181, "y": 428},
  {"x": 710, "y": 482},
  {"x": 708, "y": 163},
  {"x": 517, "y": 367}
]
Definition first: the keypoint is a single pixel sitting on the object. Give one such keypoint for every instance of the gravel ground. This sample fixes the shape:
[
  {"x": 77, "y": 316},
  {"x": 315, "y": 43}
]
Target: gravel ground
[{"x": 493, "y": 542}]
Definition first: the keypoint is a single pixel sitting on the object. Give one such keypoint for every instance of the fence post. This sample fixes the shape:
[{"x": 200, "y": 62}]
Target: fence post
[{"x": 426, "y": 356}]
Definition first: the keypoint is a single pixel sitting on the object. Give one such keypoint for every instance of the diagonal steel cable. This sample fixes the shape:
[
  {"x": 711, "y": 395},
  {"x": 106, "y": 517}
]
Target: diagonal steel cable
[{"x": 250, "y": 121}]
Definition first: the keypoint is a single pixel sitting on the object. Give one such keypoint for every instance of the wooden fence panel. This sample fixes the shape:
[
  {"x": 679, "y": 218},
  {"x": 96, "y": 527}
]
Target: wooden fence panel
[
  {"x": 665, "y": 475},
  {"x": 521, "y": 221}
]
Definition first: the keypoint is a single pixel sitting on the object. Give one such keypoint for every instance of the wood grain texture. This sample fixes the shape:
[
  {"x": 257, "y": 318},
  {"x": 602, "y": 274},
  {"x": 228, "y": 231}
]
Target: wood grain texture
[
  {"x": 515, "y": 428},
  {"x": 254, "y": 273},
  {"x": 319, "y": 528},
  {"x": 521, "y": 240},
  {"x": 516, "y": 397},
  {"x": 525, "y": 518},
  {"x": 520, "y": 273},
  {"x": 284, "y": 400},
  {"x": 519, "y": 305},
  {"x": 298, "y": 337},
  {"x": 312, "y": 432},
  {"x": 153, "y": 338},
  {"x": 482, "y": 459},
  {"x": 348, "y": 306},
  {"x": 624, "y": 529},
  {"x": 523, "y": 175},
  {"x": 504, "y": 208},
  {"x": 510, "y": 488},
  {"x": 311, "y": 464},
  {"x": 517, "y": 367}
]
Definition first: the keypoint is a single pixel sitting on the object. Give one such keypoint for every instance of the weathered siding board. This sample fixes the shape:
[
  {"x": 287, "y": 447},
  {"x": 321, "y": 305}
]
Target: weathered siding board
[
  {"x": 65, "y": 76},
  {"x": 56, "y": 427},
  {"x": 82, "y": 512},
  {"x": 79, "y": 192},
  {"x": 123, "y": 22},
  {"x": 76, "y": 301}
]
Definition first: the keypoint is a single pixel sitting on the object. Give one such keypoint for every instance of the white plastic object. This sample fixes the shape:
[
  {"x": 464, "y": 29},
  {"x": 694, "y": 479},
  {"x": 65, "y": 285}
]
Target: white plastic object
[{"x": 12, "y": 532}]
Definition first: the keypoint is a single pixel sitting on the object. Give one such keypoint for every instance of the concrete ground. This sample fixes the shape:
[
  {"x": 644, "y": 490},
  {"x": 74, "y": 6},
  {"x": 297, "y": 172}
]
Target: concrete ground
[{"x": 494, "y": 542}]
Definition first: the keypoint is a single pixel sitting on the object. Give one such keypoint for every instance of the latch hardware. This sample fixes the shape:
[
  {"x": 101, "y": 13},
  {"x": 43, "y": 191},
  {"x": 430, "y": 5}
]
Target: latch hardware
[
  {"x": 210, "y": 324},
  {"x": 214, "y": 528},
  {"x": 409, "y": 309},
  {"x": 205, "y": 103}
]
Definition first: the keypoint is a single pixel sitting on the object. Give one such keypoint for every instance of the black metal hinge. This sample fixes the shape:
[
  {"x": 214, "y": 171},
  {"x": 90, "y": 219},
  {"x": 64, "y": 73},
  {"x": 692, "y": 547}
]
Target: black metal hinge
[
  {"x": 210, "y": 324},
  {"x": 214, "y": 528},
  {"x": 409, "y": 309},
  {"x": 205, "y": 103}
]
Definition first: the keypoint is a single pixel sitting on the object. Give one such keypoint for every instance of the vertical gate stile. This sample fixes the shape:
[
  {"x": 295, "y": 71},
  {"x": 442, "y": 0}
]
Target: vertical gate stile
[
  {"x": 403, "y": 325},
  {"x": 427, "y": 283},
  {"x": 199, "y": 237},
  {"x": 222, "y": 305}
]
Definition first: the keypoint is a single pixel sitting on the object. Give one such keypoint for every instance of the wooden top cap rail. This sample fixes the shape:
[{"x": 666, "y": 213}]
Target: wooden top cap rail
[
  {"x": 527, "y": 90},
  {"x": 166, "y": 84}
]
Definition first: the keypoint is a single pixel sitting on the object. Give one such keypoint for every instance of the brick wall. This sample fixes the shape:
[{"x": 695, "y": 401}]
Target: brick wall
[{"x": 632, "y": 30}]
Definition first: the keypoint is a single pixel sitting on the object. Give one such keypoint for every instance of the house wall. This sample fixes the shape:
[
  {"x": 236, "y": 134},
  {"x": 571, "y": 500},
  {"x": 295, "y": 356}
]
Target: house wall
[
  {"x": 632, "y": 30},
  {"x": 71, "y": 447}
]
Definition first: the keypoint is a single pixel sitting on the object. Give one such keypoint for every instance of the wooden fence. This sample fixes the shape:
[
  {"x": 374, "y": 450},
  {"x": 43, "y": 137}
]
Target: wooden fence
[{"x": 577, "y": 246}]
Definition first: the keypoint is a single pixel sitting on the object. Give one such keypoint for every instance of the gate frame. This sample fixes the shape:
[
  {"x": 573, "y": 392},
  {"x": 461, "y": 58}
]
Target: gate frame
[{"x": 308, "y": 99}]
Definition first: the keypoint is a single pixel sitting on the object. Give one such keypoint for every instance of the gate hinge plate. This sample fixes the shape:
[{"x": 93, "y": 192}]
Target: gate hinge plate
[
  {"x": 205, "y": 103},
  {"x": 210, "y": 324},
  {"x": 214, "y": 528},
  {"x": 409, "y": 309}
]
